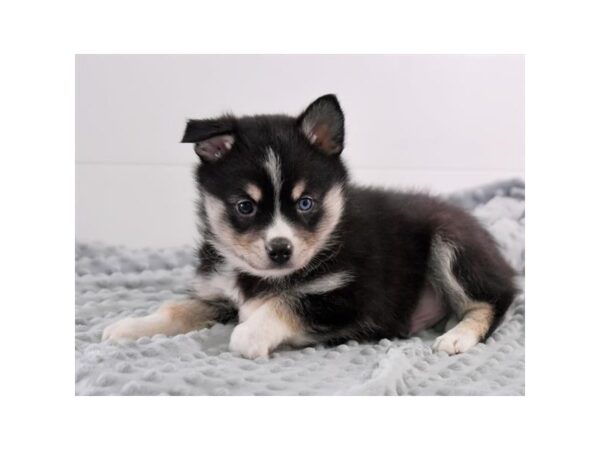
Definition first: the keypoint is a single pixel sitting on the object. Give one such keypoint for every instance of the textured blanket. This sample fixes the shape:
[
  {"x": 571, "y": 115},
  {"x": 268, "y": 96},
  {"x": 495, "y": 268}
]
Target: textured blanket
[{"x": 115, "y": 282}]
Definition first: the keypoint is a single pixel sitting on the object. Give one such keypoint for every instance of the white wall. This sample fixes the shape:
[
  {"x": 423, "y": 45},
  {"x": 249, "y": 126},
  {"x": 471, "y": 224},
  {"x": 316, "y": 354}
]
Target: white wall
[{"x": 441, "y": 122}]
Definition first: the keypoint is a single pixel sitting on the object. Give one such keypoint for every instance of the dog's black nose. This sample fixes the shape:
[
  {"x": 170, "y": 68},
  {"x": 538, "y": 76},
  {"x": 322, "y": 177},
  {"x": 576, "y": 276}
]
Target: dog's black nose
[{"x": 279, "y": 250}]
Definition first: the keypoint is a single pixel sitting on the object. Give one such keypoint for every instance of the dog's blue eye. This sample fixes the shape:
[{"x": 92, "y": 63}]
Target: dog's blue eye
[
  {"x": 305, "y": 204},
  {"x": 245, "y": 207}
]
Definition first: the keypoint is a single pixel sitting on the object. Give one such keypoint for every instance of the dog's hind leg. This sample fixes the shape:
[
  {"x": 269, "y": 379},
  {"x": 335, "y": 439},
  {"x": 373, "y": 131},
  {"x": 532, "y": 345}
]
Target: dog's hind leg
[
  {"x": 472, "y": 329},
  {"x": 476, "y": 317},
  {"x": 171, "y": 318}
]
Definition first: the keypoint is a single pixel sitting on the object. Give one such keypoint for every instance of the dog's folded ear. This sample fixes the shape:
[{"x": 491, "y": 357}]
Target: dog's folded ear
[
  {"x": 323, "y": 124},
  {"x": 213, "y": 138}
]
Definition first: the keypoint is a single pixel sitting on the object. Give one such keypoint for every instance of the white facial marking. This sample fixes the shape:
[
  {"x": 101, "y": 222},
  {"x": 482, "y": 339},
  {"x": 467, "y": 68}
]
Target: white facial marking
[
  {"x": 325, "y": 284},
  {"x": 214, "y": 210},
  {"x": 250, "y": 256},
  {"x": 281, "y": 228},
  {"x": 225, "y": 242},
  {"x": 273, "y": 166}
]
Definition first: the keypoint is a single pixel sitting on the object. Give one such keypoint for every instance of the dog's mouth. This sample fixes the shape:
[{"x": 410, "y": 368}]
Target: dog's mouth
[
  {"x": 270, "y": 270},
  {"x": 261, "y": 268}
]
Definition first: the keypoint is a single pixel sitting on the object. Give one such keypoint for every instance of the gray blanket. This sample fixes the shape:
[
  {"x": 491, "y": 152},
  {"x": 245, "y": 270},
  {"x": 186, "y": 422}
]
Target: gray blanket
[{"x": 115, "y": 282}]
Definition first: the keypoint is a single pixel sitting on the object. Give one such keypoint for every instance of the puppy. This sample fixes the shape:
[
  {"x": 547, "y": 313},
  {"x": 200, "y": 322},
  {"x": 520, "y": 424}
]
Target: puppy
[{"x": 297, "y": 255}]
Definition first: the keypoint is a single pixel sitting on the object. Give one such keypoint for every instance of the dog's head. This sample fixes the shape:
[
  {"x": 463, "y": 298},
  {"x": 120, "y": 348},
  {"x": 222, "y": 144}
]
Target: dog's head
[{"x": 272, "y": 187}]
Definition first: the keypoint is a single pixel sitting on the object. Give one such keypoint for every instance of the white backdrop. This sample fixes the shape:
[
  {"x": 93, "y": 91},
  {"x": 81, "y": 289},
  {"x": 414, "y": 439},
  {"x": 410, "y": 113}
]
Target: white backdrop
[{"x": 440, "y": 122}]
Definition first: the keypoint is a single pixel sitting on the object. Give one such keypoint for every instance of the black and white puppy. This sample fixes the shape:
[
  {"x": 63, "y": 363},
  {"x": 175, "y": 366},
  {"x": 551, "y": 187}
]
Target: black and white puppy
[{"x": 298, "y": 256}]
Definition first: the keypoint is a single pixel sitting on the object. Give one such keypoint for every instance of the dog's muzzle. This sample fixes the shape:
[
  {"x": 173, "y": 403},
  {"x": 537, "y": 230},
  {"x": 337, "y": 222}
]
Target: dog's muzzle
[{"x": 279, "y": 250}]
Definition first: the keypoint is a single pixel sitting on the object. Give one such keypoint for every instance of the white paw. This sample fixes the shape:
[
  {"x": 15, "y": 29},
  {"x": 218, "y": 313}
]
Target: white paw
[
  {"x": 129, "y": 328},
  {"x": 457, "y": 340},
  {"x": 247, "y": 341}
]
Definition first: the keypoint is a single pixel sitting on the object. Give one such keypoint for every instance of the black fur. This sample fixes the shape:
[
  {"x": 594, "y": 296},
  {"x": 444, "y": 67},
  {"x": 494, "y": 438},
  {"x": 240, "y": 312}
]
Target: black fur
[{"x": 384, "y": 238}]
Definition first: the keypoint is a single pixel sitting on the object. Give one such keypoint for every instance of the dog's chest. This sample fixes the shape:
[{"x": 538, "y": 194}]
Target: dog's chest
[{"x": 218, "y": 285}]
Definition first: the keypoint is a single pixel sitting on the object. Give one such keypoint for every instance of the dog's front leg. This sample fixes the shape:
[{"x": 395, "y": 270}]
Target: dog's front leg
[
  {"x": 171, "y": 318},
  {"x": 269, "y": 326}
]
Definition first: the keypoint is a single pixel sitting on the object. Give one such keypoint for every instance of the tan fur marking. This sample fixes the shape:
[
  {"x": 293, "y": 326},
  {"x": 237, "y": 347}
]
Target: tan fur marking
[
  {"x": 254, "y": 192},
  {"x": 247, "y": 241},
  {"x": 283, "y": 312},
  {"x": 298, "y": 190},
  {"x": 478, "y": 318},
  {"x": 174, "y": 317},
  {"x": 249, "y": 244},
  {"x": 247, "y": 250},
  {"x": 188, "y": 314},
  {"x": 475, "y": 317},
  {"x": 308, "y": 238},
  {"x": 471, "y": 330},
  {"x": 278, "y": 306},
  {"x": 333, "y": 205}
]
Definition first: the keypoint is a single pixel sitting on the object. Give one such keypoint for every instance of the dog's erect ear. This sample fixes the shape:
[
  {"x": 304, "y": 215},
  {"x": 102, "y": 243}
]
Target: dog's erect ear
[
  {"x": 213, "y": 138},
  {"x": 323, "y": 124}
]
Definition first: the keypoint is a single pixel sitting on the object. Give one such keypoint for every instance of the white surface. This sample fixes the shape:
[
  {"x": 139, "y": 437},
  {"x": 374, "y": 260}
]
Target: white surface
[{"x": 438, "y": 122}]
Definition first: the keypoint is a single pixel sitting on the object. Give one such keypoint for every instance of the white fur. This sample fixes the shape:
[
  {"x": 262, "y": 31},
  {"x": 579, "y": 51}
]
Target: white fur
[
  {"x": 273, "y": 166},
  {"x": 475, "y": 317},
  {"x": 442, "y": 260},
  {"x": 248, "y": 308},
  {"x": 458, "y": 340},
  {"x": 307, "y": 129},
  {"x": 326, "y": 283},
  {"x": 281, "y": 228},
  {"x": 261, "y": 333},
  {"x": 224, "y": 242},
  {"x": 218, "y": 285},
  {"x": 136, "y": 327},
  {"x": 253, "y": 258}
]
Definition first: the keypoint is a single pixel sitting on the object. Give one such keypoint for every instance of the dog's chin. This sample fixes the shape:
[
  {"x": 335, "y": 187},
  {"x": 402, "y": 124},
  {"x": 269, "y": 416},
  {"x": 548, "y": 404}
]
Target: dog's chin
[
  {"x": 270, "y": 270},
  {"x": 259, "y": 269}
]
